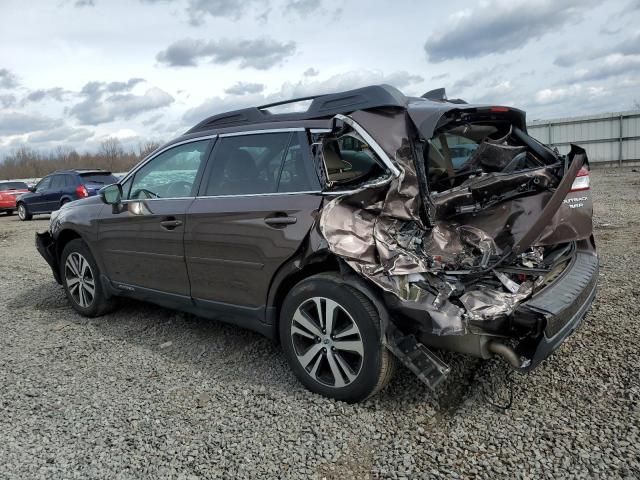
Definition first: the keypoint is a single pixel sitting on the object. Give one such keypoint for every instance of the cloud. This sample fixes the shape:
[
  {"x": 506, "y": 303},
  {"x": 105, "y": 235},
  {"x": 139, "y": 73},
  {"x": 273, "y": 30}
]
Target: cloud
[
  {"x": 302, "y": 88},
  {"x": 497, "y": 26},
  {"x": 260, "y": 54},
  {"x": 16, "y": 123},
  {"x": 8, "y": 79},
  {"x": 302, "y": 7},
  {"x": 612, "y": 66},
  {"x": 115, "y": 87},
  {"x": 105, "y": 102},
  {"x": 63, "y": 133},
  {"x": 242, "y": 88},
  {"x": 84, "y": 3},
  {"x": 311, "y": 72},
  {"x": 151, "y": 120},
  {"x": 561, "y": 94},
  {"x": 629, "y": 46},
  {"x": 58, "y": 94},
  {"x": 199, "y": 10},
  {"x": 8, "y": 100}
]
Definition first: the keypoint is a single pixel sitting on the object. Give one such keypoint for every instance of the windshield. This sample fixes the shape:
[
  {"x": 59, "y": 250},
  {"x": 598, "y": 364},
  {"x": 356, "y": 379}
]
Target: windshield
[{"x": 12, "y": 186}]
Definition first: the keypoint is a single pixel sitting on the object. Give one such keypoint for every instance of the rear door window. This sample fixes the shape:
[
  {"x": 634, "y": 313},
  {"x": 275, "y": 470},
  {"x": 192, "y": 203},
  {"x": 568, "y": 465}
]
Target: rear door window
[
  {"x": 247, "y": 164},
  {"x": 58, "y": 182}
]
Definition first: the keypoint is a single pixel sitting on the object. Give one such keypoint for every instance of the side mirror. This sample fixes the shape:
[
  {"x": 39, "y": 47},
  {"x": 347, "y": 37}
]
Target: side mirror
[
  {"x": 31, "y": 188},
  {"x": 111, "y": 195}
]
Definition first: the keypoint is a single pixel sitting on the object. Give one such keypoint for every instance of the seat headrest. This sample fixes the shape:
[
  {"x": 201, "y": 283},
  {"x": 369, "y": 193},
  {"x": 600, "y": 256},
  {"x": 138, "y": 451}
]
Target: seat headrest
[
  {"x": 240, "y": 166},
  {"x": 332, "y": 158}
]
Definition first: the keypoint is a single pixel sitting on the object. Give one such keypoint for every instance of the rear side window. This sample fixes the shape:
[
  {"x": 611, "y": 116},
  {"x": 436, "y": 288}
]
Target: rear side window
[
  {"x": 12, "y": 186},
  {"x": 257, "y": 164},
  {"x": 349, "y": 158},
  {"x": 99, "y": 178}
]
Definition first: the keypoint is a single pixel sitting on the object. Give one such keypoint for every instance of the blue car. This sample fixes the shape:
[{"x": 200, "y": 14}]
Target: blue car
[{"x": 61, "y": 187}]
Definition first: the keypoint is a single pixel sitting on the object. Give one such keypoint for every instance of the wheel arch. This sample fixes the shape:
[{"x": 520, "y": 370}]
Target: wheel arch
[
  {"x": 322, "y": 262},
  {"x": 63, "y": 238}
]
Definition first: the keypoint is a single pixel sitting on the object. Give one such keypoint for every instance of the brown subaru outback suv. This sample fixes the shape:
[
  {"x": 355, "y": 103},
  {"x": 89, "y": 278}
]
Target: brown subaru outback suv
[{"x": 356, "y": 228}]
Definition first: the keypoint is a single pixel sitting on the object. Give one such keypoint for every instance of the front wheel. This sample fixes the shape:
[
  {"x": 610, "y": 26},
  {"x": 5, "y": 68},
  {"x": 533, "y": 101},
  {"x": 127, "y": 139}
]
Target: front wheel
[
  {"x": 330, "y": 334},
  {"x": 23, "y": 212},
  {"x": 81, "y": 280}
]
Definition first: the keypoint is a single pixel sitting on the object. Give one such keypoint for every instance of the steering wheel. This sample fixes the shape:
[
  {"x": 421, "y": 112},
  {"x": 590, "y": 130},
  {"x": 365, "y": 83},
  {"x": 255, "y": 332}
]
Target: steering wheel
[{"x": 179, "y": 188}]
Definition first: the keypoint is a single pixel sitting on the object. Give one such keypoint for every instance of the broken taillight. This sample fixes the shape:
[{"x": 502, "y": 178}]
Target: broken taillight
[
  {"x": 81, "y": 191},
  {"x": 582, "y": 181}
]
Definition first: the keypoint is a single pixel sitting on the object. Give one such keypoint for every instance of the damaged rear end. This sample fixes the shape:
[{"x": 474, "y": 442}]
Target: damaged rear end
[{"x": 479, "y": 236}]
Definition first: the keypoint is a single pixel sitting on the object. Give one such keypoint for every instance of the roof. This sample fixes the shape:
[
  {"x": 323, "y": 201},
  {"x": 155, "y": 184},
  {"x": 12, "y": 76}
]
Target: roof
[{"x": 321, "y": 106}]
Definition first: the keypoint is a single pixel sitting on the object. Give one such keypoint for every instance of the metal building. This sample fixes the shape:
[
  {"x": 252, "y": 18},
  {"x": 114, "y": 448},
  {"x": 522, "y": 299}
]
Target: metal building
[{"x": 611, "y": 139}]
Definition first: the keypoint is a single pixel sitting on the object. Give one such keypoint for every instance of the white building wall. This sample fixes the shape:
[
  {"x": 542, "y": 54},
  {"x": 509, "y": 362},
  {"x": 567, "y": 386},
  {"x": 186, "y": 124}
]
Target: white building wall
[{"x": 609, "y": 139}]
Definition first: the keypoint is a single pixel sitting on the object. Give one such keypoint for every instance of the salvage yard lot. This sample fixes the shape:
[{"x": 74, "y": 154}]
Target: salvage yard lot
[{"x": 147, "y": 392}]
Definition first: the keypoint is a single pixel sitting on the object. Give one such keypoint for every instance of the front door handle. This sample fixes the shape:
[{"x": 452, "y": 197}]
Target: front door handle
[
  {"x": 170, "y": 224},
  {"x": 280, "y": 221}
]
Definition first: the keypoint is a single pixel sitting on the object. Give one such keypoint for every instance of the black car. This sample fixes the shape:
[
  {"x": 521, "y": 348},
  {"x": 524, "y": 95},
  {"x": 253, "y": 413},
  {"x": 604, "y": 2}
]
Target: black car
[
  {"x": 347, "y": 232},
  {"x": 61, "y": 187}
]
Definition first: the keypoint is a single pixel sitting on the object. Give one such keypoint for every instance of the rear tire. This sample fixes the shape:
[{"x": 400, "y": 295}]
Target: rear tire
[
  {"x": 81, "y": 281},
  {"x": 23, "y": 212},
  {"x": 330, "y": 334}
]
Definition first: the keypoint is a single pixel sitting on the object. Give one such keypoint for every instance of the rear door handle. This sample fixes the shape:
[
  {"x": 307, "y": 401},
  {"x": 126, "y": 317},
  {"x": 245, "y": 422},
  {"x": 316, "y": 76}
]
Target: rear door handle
[
  {"x": 280, "y": 221},
  {"x": 170, "y": 224}
]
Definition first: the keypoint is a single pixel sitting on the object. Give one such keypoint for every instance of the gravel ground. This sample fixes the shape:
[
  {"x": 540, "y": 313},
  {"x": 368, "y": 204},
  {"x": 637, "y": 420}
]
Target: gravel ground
[{"x": 146, "y": 392}]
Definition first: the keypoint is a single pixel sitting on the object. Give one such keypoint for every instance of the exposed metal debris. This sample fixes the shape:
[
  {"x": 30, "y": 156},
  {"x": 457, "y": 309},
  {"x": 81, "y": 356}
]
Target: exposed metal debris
[{"x": 455, "y": 257}]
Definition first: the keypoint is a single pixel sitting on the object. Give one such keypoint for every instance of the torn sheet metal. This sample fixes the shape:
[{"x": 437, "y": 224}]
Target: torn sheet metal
[{"x": 378, "y": 230}]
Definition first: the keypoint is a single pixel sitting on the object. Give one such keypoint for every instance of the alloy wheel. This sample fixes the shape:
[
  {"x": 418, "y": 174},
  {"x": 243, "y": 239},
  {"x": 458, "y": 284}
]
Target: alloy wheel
[
  {"x": 327, "y": 342},
  {"x": 79, "y": 279},
  {"x": 22, "y": 211}
]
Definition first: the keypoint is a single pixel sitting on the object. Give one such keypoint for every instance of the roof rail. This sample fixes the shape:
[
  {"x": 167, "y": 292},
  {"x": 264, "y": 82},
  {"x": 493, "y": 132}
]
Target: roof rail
[{"x": 321, "y": 106}]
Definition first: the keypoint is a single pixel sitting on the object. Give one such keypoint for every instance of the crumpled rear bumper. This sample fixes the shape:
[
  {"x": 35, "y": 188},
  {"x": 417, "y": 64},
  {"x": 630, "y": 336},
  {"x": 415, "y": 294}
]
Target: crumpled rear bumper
[
  {"x": 46, "y": 247},
  {"x": 563, "y": 305}
]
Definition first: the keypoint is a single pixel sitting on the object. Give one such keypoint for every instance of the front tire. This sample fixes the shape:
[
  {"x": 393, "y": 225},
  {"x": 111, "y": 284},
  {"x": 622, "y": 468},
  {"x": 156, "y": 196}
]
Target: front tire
[
  {"x": 23, "y": 213},
  {"x": 81, "y": 280},
  {"x": 330, "y": 334},
  {"x": 9, "y": 212}
]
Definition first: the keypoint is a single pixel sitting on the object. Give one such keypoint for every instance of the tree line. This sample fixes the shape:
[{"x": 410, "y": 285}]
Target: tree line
[{"x": 26, "y": 162}]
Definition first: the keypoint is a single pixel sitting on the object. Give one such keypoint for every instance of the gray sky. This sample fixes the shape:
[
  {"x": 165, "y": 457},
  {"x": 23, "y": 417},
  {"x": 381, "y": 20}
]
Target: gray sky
[{"x": 73, "y": 72}]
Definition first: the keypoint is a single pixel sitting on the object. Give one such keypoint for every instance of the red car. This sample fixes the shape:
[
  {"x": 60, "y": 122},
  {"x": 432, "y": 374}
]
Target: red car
[{"x": 9, "y": 191}]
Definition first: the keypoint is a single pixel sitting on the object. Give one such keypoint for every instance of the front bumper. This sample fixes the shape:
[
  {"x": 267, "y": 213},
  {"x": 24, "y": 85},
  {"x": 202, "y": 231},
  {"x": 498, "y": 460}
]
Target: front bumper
[
  {"x": 46, "y": 247},
  {"x": 563, "y": 305}
]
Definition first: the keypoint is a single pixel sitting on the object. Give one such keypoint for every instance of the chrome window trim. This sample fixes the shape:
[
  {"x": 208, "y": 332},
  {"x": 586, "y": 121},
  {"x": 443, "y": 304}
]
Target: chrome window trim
[
  {"x": 270, "y": 194},
  {"x": 153, "y": 155},
  {"x": 371, "y": 142},
  {"x": 263, "y": 131},
  {"x": 134, "y": 200}
]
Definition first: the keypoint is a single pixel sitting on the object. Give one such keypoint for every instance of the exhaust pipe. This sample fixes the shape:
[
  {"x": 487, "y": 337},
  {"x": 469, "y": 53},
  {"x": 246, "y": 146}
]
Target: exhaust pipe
[{"x": 505, "y": 352}]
